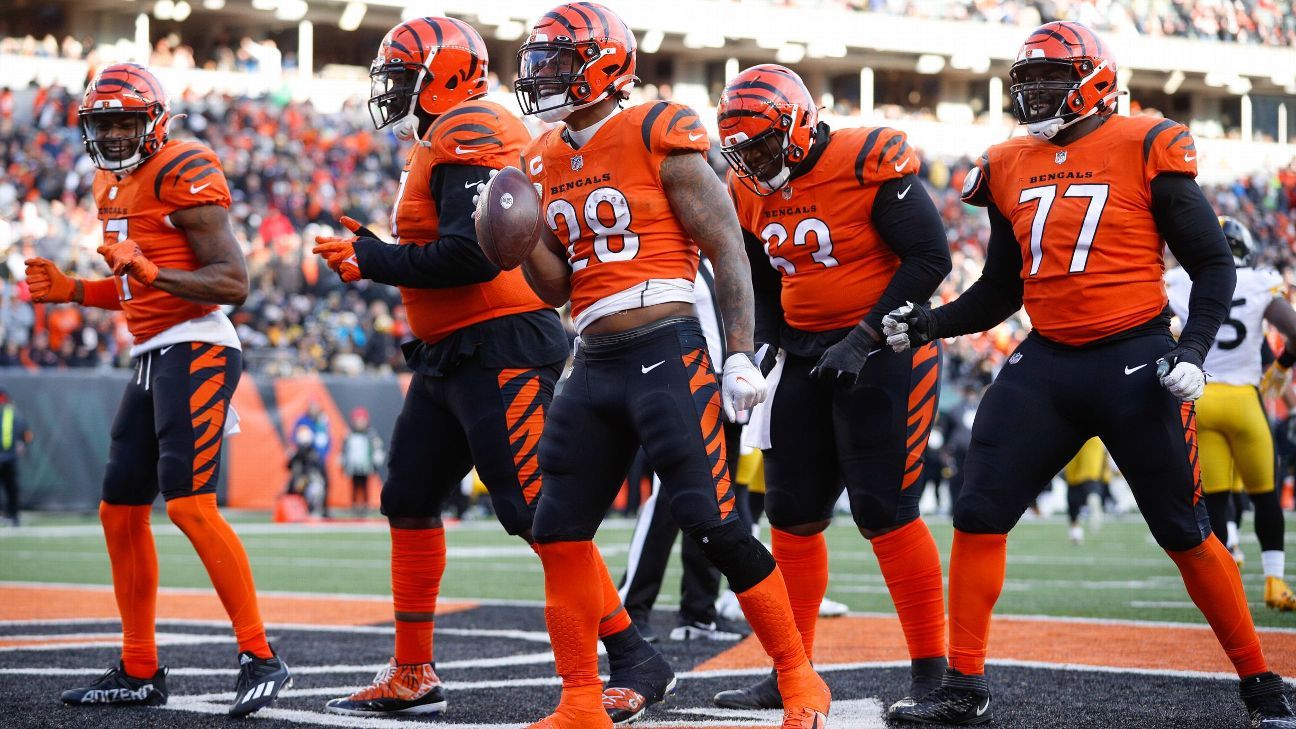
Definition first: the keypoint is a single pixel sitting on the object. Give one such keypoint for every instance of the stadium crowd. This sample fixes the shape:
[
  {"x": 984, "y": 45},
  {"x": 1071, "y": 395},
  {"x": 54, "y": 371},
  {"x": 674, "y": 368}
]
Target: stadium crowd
[{"x": 294, "y": 172}]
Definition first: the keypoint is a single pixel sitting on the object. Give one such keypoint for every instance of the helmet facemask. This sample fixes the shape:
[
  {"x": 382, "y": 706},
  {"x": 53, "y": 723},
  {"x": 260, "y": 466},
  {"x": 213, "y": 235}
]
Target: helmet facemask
[
  {"x": 1047, "y": 94},
  {"x": 117, "y": 139},
  {"x": 392, "y": 90},
  {"x": 551, "y": 81},
  {"x": 761, "y": 161}
]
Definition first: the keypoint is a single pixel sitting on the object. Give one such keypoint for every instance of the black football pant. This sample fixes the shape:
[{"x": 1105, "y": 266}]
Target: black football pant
[
  {"x": 170, "y": 426},
  {"x": 1048, "y": 400},
  {"x": 652, "y": 386},
  {"x": 870, "y": 439},
  {"x": 650, "y": 549},
  {"x": 9, "y": 481},
  {"x": 479, "y": 416}
]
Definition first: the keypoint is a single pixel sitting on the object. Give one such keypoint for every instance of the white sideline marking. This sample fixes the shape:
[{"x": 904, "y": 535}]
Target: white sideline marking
[
  {"x": 525, "y": 659},
  {"x": 106, "y": 640}
]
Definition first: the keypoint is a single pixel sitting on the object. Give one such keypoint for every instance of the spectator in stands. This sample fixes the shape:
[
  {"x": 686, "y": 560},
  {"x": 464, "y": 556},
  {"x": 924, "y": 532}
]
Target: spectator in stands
[{"x": 362, "y": 453}]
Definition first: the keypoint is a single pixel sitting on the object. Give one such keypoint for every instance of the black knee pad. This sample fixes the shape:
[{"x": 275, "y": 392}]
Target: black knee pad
[
  {"x": 876, "y": 514},
  {"x": 735, "y": 552},
  {"x": 406, "y": 497},
  {"x": 513, "y": 512},
  {"x": 975, "y": 515},
  {"x": 562, "y": 518}
]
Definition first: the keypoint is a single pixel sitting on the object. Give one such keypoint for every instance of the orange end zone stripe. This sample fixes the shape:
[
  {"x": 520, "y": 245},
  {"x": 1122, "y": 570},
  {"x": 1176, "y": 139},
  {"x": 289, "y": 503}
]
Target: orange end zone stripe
[
  {"x": 63, "y": 603},
  {"x": 852, "y": 639}
]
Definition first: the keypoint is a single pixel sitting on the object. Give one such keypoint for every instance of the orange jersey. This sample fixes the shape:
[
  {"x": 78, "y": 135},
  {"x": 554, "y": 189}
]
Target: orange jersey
[
  {"x": 818, "y": 231},
  {"x": 479, "y": 133},
  {"x": 606, "y": 203},
  {"x": 1092, "y": 261},
  {"x": 138, "y": 206}
]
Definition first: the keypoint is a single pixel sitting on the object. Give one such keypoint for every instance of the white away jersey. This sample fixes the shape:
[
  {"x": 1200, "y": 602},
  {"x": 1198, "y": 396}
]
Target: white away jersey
[{"x": 1234, "y": 358}]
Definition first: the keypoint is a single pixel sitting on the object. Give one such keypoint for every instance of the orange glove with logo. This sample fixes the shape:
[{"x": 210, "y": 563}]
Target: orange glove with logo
[
  {"x": 48, "y": 285},
  {"x": 339, "y": 253},
  {"x": 126, "y": 258}
]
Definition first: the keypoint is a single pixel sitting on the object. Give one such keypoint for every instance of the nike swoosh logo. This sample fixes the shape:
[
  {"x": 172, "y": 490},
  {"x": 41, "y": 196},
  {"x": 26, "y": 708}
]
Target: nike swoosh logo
[
  {"x": 1132, "y": 370},
  {"x": 983, "y": 707},
  {"x": 901, "y": 195},
  {"x": 164, "y": 350},
  {"x": 646, "y": 370},
  {"x": 901, "y": 165},
  {"x": 466, "y": 150},
  {"x": 695, "y": 137},
  {"x": 471, "y": 183},
  {"x": 1189, "y": 159},
  {"x": 195, "y": 190}
]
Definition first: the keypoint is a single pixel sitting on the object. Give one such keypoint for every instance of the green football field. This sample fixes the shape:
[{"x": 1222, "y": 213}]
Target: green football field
[{"x": 1119, "y": 572}]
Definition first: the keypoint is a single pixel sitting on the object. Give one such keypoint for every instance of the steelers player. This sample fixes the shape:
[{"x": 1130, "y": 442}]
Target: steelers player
[
  {"x": 1232, "y": 428},
  {"x": 1086, "y": 475},
  {"x": 167, "y": 238}
]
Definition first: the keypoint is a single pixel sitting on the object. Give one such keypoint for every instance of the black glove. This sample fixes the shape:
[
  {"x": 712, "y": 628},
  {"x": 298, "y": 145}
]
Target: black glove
[
  {"x": 842, "y": 363},
  {"x": 908, "y": 327}
]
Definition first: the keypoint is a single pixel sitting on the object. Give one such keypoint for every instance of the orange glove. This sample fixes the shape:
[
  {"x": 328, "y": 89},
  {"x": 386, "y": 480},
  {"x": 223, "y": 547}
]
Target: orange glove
[
  {"x": 48, "y": 285},
  {"x": 126, "y": 258},
  {"x": 339, "y": 253}
]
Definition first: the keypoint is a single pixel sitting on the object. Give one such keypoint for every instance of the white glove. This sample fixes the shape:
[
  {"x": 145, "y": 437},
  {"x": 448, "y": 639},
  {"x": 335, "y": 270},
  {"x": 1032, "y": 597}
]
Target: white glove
[
  {"x": 1185, "y": 379},
  {"x": 741, "y": 385},
  {"x": 477, "y": 196},
  {"x": 895, "y": 330}
]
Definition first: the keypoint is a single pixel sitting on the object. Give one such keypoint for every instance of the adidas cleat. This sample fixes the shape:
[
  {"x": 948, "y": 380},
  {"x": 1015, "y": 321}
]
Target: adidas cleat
[
  {"x": 924, "y": 677},
  {"x": 960, "y": 699},
  {"x": 764, "y": 694},
  {"x": 1278, "y": 595},
  {"x": 708, "y": 631},
  {"x": 1265, "y": 697},
  {"x": 259, "y": 682},
  {"x": 115, "y": 686},
  {"x": 397, "y": 689}
]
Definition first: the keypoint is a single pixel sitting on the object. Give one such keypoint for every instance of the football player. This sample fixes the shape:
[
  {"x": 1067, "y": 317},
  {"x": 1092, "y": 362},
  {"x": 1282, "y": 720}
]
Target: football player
[
  {"x": 839, "y": 230},
  {"x": 1233, "y": 431},
  {"x": 629, "y": 199},
  {"x": 1087, "y": 476},
  {"x": 167, "y": 238},
  {"x": 487, "y": 355},
  {"x": 1078, "y": 210}
]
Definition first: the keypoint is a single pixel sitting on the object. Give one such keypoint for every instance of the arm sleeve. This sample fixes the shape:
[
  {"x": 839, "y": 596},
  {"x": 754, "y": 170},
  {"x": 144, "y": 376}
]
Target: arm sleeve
[
  {"x": 910, "y": 225},
  {"x": 452, "y": 260},
  {"x": 767, "y": 286},
  {"x": 996, "y": 295},
  {"x": 1186, "y": 221}
]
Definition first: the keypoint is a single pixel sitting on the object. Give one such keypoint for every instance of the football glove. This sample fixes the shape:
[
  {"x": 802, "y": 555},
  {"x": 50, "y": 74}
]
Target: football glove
[
  {"x": 842, "y": 362},
  {"x": 339, "y": 253},
  {"x": 477, "y": 196},
  {"x": 907, "y": 327},
  {"x": 47, "y": 284},
  {"x": 125, "y": 258},
  {"x": 742, "y": 385},
  {"x": 1180, "y": 372},
  {"x": 1276, "y": 380}
]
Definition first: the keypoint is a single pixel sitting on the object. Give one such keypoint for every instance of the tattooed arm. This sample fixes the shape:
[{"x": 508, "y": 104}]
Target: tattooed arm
[
  {"x": 546, "y": 269},
  {"x": 699, "y": 200},
  {"x": 221, "y": 276}
]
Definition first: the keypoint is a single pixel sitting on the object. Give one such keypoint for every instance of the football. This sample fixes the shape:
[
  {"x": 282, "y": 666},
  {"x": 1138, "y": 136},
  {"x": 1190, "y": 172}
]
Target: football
[{"x": 509, "y": 223}]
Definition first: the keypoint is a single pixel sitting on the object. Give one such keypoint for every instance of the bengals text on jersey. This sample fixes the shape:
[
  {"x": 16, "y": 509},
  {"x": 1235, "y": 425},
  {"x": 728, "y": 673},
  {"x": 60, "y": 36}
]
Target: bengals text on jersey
[
  {"x": 181, "y": 175},
  {"x": 480, "y": 133},
  {"x": 1091, "y": 254},
  {"x": 833, "y": 263},
  {"x": 606, "y": 204}
]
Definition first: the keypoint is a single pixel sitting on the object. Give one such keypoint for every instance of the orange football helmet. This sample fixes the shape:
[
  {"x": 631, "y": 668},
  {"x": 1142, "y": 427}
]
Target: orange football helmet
[
  {"x": 576, "y": 55},
  {"x": 123, "y": 117},
  {"x": 1063, "y": 73},
  {"x": 437, "y": 61},
  {"x": 767, "y": 120}
]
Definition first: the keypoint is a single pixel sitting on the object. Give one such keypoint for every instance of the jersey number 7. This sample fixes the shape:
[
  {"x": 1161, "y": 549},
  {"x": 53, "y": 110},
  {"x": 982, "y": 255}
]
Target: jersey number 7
[
  {"x": 1046, "y": 194},
  {"x": 118, "y": 226}
]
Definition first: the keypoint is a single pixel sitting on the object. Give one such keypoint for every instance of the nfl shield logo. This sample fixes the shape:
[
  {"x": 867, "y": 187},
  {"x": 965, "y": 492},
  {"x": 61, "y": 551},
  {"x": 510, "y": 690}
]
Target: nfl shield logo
[
  {"x": 787, "y": 192},
  {"x": 1060, "y": 157},
  {"x": 578, "y": 162},
  {"x": 1015, "y": 358}
]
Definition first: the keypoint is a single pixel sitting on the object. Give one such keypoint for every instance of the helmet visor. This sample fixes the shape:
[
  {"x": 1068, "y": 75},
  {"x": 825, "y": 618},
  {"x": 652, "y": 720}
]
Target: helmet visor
[
  {"x": 546, "y": 73},
  {"x": 1040, "y": 88},
  {"x": 392, "y": 88},
  {"x": 114, "y": 137}
]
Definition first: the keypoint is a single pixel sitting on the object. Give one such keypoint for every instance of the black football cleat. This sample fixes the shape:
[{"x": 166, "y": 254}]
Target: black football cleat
[
  {"x": 764, "y": 694},
  {"x": 1266, "y": 701},
  {"x": 960, "y": 699},
  {"x": 116, "y": 687},
  {"x": 259, "y": 682},
  {"x": 924, "y": 677},
  {"x": 638, "y": 677}
]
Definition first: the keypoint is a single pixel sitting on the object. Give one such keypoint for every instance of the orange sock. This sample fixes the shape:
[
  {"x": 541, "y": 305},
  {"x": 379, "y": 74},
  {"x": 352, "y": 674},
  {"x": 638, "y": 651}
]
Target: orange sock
[
  {"x": 614, "y": 618},
  {"x": 573, "y": 600},
  {"x": 418, "y": 561},
  {"x": 135, "y": 581},
  {"x": 977, "y": 564},
  {"x": 1215, "y": 586},
  {"x": 911, "y": 567},
  {"x": 767, "y": 610},
  {"x": 227, "y": 565},
  {"x": 803, "y": 561}
]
